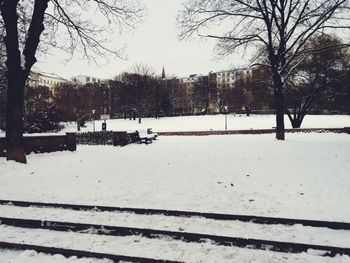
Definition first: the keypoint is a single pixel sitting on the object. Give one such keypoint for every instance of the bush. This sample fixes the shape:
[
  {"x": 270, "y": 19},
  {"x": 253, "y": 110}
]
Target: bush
[
  {"x": 44, "y": 120},
  {"x": 95, "y": 138}
]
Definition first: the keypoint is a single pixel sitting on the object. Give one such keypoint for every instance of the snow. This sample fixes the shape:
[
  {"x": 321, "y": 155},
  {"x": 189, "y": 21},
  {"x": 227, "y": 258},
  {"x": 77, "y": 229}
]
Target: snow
[
  {"x": 238, "y": 174},
  {"x": 306, "y": 176},
  {"x": 151, "y": 248},
  {"x": 23, "y": 61},
  {"x": 30, "y": 256},
  {"x": 295, "y": 233},
  {"x": 206, "y": 123},
  {"x": 213, "y": 122}
]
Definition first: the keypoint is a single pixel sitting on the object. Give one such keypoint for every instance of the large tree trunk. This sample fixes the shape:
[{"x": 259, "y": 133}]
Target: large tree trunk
[
  {"x": 279, "y": 100},
  {"x": 18, "y": 68},
  {"x": 15, "y": 81},
  {"x": 14, "y": 118}
]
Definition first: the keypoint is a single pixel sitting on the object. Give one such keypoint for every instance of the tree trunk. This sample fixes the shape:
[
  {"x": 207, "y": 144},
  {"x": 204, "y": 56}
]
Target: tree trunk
[
  {"x": 16, "y": 77},
  {"x": 279, "y": 97},
  {"x": 18, "y": 71},
  {"x": 296, "y": 118},
  {"x": 296, "y": 123},
  {"x": 247, "y": 111},
  {"x": 14, "y": 119}
]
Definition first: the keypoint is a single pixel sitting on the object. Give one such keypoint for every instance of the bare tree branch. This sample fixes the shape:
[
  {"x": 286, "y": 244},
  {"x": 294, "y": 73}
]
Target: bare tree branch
[
  {"x": 65, "y": 24},
  {"x": 281, "y": 27}
]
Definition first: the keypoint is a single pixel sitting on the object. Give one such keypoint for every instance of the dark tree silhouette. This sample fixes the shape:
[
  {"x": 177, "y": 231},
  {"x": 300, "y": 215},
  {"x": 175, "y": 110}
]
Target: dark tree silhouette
[
  {"x": 281, "y": 27},
  {"x": 63, "y": 24},
  {"x": 137, "y": 90}
]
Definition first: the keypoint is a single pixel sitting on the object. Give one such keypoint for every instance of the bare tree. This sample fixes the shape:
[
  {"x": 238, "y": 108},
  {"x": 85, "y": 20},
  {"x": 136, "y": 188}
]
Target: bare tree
[
  {"x": 280, "y": 27},
  {"x": 319, "y": 78},
  {"x": 137, "y": 90},
  {"x": 65, "y": 24}
]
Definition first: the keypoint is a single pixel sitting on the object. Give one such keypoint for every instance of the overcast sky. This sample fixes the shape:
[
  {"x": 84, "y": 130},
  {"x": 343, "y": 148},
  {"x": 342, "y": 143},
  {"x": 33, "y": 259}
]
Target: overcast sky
[{"x": 154, "y": 42}]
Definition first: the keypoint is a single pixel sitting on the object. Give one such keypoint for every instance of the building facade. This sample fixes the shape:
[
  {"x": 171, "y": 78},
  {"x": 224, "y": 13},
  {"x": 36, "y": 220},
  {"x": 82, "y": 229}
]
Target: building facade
[
  {"x": 82, "y": 80},
  {"x": 49, "y": 80}
]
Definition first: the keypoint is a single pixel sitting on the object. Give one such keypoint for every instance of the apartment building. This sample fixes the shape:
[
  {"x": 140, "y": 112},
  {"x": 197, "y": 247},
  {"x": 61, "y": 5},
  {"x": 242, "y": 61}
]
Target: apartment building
[
  {"x": 49, "y": 80},
  {"x": 232, "y": 78},
  {"x": 86, "y": 79}
]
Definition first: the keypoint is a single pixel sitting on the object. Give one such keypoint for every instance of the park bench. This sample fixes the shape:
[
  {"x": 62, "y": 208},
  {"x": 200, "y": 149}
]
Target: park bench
[
  {"x": 123, "y": 138},
  {"x": 142, "y": 137}
]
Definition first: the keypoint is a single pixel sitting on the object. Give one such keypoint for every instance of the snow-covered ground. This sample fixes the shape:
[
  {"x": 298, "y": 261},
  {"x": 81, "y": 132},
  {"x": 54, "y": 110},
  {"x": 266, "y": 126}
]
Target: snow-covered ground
[
  {"x": 215, "y": 122},
  {"x": 306, "y": 176},
  {"x": 294, "y": 233},
  {"x": 151, "y": 248}
]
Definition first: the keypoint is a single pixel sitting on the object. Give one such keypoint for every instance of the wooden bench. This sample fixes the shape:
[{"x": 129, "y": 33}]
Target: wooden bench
[{"x": 142, "y": 138}]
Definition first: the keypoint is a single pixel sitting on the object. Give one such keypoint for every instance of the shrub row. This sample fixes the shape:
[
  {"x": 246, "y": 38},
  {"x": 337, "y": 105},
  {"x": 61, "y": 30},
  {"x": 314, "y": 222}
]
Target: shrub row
[{"x": 95, "y": 138}]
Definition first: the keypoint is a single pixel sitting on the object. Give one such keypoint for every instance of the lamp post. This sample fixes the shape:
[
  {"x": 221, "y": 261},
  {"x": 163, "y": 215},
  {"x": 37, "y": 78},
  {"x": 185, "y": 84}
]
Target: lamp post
[
  {"x": 226, "y": 112},
  {"x": 93, "y": 119}
]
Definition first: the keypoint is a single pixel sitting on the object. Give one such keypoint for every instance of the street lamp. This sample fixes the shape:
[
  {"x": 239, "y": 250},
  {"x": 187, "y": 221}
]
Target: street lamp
[
  {"x": 226, "y": 112},
  {"x": 93, "y": 119}
]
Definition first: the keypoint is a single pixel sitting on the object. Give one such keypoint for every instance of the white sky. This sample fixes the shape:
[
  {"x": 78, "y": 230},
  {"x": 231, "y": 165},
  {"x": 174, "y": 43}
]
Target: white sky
[{"x": 155, "y": 43}]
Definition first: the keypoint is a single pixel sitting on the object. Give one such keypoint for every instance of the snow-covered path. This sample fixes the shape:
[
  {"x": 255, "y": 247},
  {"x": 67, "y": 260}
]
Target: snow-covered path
[
  {"x": 149, "y": 248},
  {"x": 164, "y": 248},
  {"x": 285, "y": 233}
]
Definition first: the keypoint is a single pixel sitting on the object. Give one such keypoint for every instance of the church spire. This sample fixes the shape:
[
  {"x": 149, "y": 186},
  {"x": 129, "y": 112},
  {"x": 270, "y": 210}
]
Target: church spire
[{"x": 163, "y": 73}]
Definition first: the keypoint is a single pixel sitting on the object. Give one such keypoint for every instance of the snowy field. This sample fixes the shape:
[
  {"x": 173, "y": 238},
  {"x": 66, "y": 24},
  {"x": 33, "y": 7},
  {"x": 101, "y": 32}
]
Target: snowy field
[
  {"x": 215, "y": 122},
  {"x": 305, "y": 177}
]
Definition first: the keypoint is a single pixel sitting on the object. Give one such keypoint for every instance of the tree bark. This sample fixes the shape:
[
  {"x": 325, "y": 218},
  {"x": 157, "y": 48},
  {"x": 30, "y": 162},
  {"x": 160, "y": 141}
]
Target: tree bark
[
  {"x": 14, "y": 118},
  {"x": 18, "y": 69},
  {"x": 279, "y": 100},
  {"x": 279, "y": 115},
  {"x": 15, "y": 85},
  {"x": 296, "y": 123}
]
